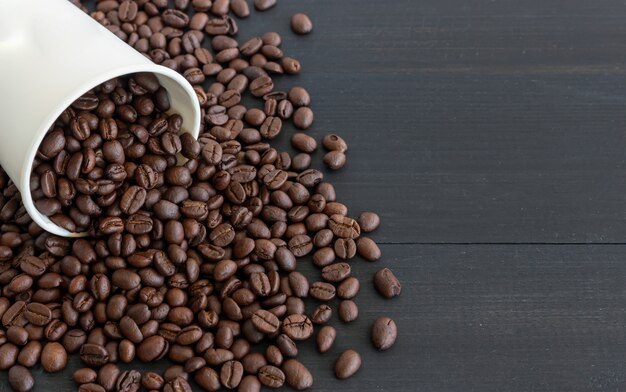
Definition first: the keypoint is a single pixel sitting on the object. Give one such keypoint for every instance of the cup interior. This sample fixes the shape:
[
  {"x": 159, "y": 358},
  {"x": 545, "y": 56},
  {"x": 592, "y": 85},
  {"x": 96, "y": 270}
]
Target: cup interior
[{"x": 183, "y": 100}]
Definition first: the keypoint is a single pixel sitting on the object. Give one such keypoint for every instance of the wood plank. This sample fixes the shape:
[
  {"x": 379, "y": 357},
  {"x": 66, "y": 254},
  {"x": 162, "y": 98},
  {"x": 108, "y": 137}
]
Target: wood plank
[{"x": 484, "y": 122}]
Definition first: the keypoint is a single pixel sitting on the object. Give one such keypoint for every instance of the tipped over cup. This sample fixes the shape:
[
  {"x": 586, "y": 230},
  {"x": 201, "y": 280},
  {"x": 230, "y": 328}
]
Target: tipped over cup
[{"x": 52, "y": 53}]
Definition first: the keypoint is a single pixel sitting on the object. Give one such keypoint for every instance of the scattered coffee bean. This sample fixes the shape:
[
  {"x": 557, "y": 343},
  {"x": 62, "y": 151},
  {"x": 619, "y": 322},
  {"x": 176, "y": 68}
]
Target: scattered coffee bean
[
  {"x": 334, "y": 142},
  {"x": 20, "y": 379},
  {"x": 335, "y": 160},
  {"x": 297, "y": 375},
  {"x": 53, "y": 357},
  {"x": 326, "y": 338},
  {"x": 301, "y": 24},
  {"x": 263, "y": 5},
  {"x": 367, "y": 248},
  {"x": 386, "y": 283},
  {"x": 348, "y": 311},
  {"x": 384, "y": 333},
  {"x": 347, "y": 364}
]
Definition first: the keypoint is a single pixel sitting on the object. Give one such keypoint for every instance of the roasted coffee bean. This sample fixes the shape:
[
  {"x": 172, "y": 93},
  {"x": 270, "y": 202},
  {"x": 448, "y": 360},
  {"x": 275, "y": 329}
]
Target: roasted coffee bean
[
  {"x": 326, "y": 338},
  {"x": 37, "y": 314},
  {"x": 265, "y": 321},
  {"x": 348, "y": 311},
  {"x": 367, "y": 248},
  {"x": 129, "y": 381},
  {"x": 93, "y": 354},
  {"x": 303, "y": 117},
  {"x": 297, "y": 375},
  {"x": 53, "y": 357},
  {"x": 345, "y": 248},
  {"x": 349, "y": 288},
  {"x": 322, "y": 314},
  {"x": 231, "y": 374},
  {"x": 301, "y": 24},
  {"x": 152, "y": 348},
  {"x": 322, "y": 291},
  {"x": 347, "y": 364},
  {"x": 297, "y": 327},
  {"x": 208, "y": 379},
  {"x": 336, "y": 272},
  {"x": 335, "y": 160},
  {"x": 334, "y": 142},
  {"x": 91, "y": 387},
  {"x": 264, "y": 5},
  {"x": 368, "y": 221},
  {"x": 271, "y": 376},
  {"x": 386, "y": 283},
  {"x": 20, "y": 379},
  {"x": 8, "y": 355},
  {"x": 384, "y": 333},
  {"x": 84, "y": 376},
  {"x": 30, "y": 354},
  {"x": 303, "y": 142}
]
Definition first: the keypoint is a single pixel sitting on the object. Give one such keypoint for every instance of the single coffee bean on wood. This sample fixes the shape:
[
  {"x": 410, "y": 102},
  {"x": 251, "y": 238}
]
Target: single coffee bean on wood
[
  {"x": 384, "y": 333},
  {"x": 386, "y": 283},
  {"x": 301, "y": 24},
  {"x": 348, "y": 363}
]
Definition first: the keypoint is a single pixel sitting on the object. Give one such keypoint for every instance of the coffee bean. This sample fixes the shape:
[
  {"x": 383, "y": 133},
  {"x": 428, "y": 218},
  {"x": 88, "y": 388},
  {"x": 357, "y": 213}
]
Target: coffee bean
[
  {"x": 349, "y": 288},
  {"x": 91, "y": 387},
  {"x": 334, "y": 142},
  {"x": 53, "y": 357},
  {"x": 231, "y": 374},
  {"x": 347, "y": 364},
  {"x": 336, "y": 272},
  {"x": 297, "y": 327},
  {"x": 20, "y": 379},
  {"x": 250, "y": 383},
  {"x": 348, "y": 311},
  {"x": 344, "y": 227},
  {"x": 326, "y": 338},
  {"x": 322, "y": 291},
  {"x": 93, "y": 354},
  {"x": 30, "y": 354},
  {"x": 84, "y": 376},
  {"x": 298, "y": 96},
  {"x": 240, "y": 8},
  {"x": 301, "y": 24},
  {"x": 265, "y": 321},
  {"x": 271, "y": 376},
  {"x": 264, "y": 5},
  {"x": 128, "y": 381},
  {"x": 37, "y": 314},
  {"x": 261, "y": 86},
  {"x": 208, "y": 379},
  {"x": 335, "y": 160},
  {"x": 303, "y": 142},
  {"x": 345, "y": 248},
  {"x": 322, "y": 314},
  {"x": 367, "y": 248},
  {"x": 8, "y": 355},
  {"x": 152, "y": 348},
  {"x": 386, "y": 283},
  {"x": 384, "y": 333},
  {"x": 303, "y": 118},
  {"x": 178, "y": 384}
]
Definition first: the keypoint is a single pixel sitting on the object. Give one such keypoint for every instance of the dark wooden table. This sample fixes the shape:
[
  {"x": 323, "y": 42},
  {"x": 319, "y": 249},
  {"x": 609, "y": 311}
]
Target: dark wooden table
[{"x": 489, "y": 135}]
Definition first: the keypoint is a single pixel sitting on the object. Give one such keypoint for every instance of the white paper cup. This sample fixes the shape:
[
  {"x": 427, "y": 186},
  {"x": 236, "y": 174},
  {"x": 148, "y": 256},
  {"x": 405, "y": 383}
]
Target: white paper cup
[{"x": 51, "y": 53}]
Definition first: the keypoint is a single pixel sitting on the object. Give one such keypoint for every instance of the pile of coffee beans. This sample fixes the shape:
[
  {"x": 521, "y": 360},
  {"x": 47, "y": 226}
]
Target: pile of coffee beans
[{"x": 194, "y": 262}]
